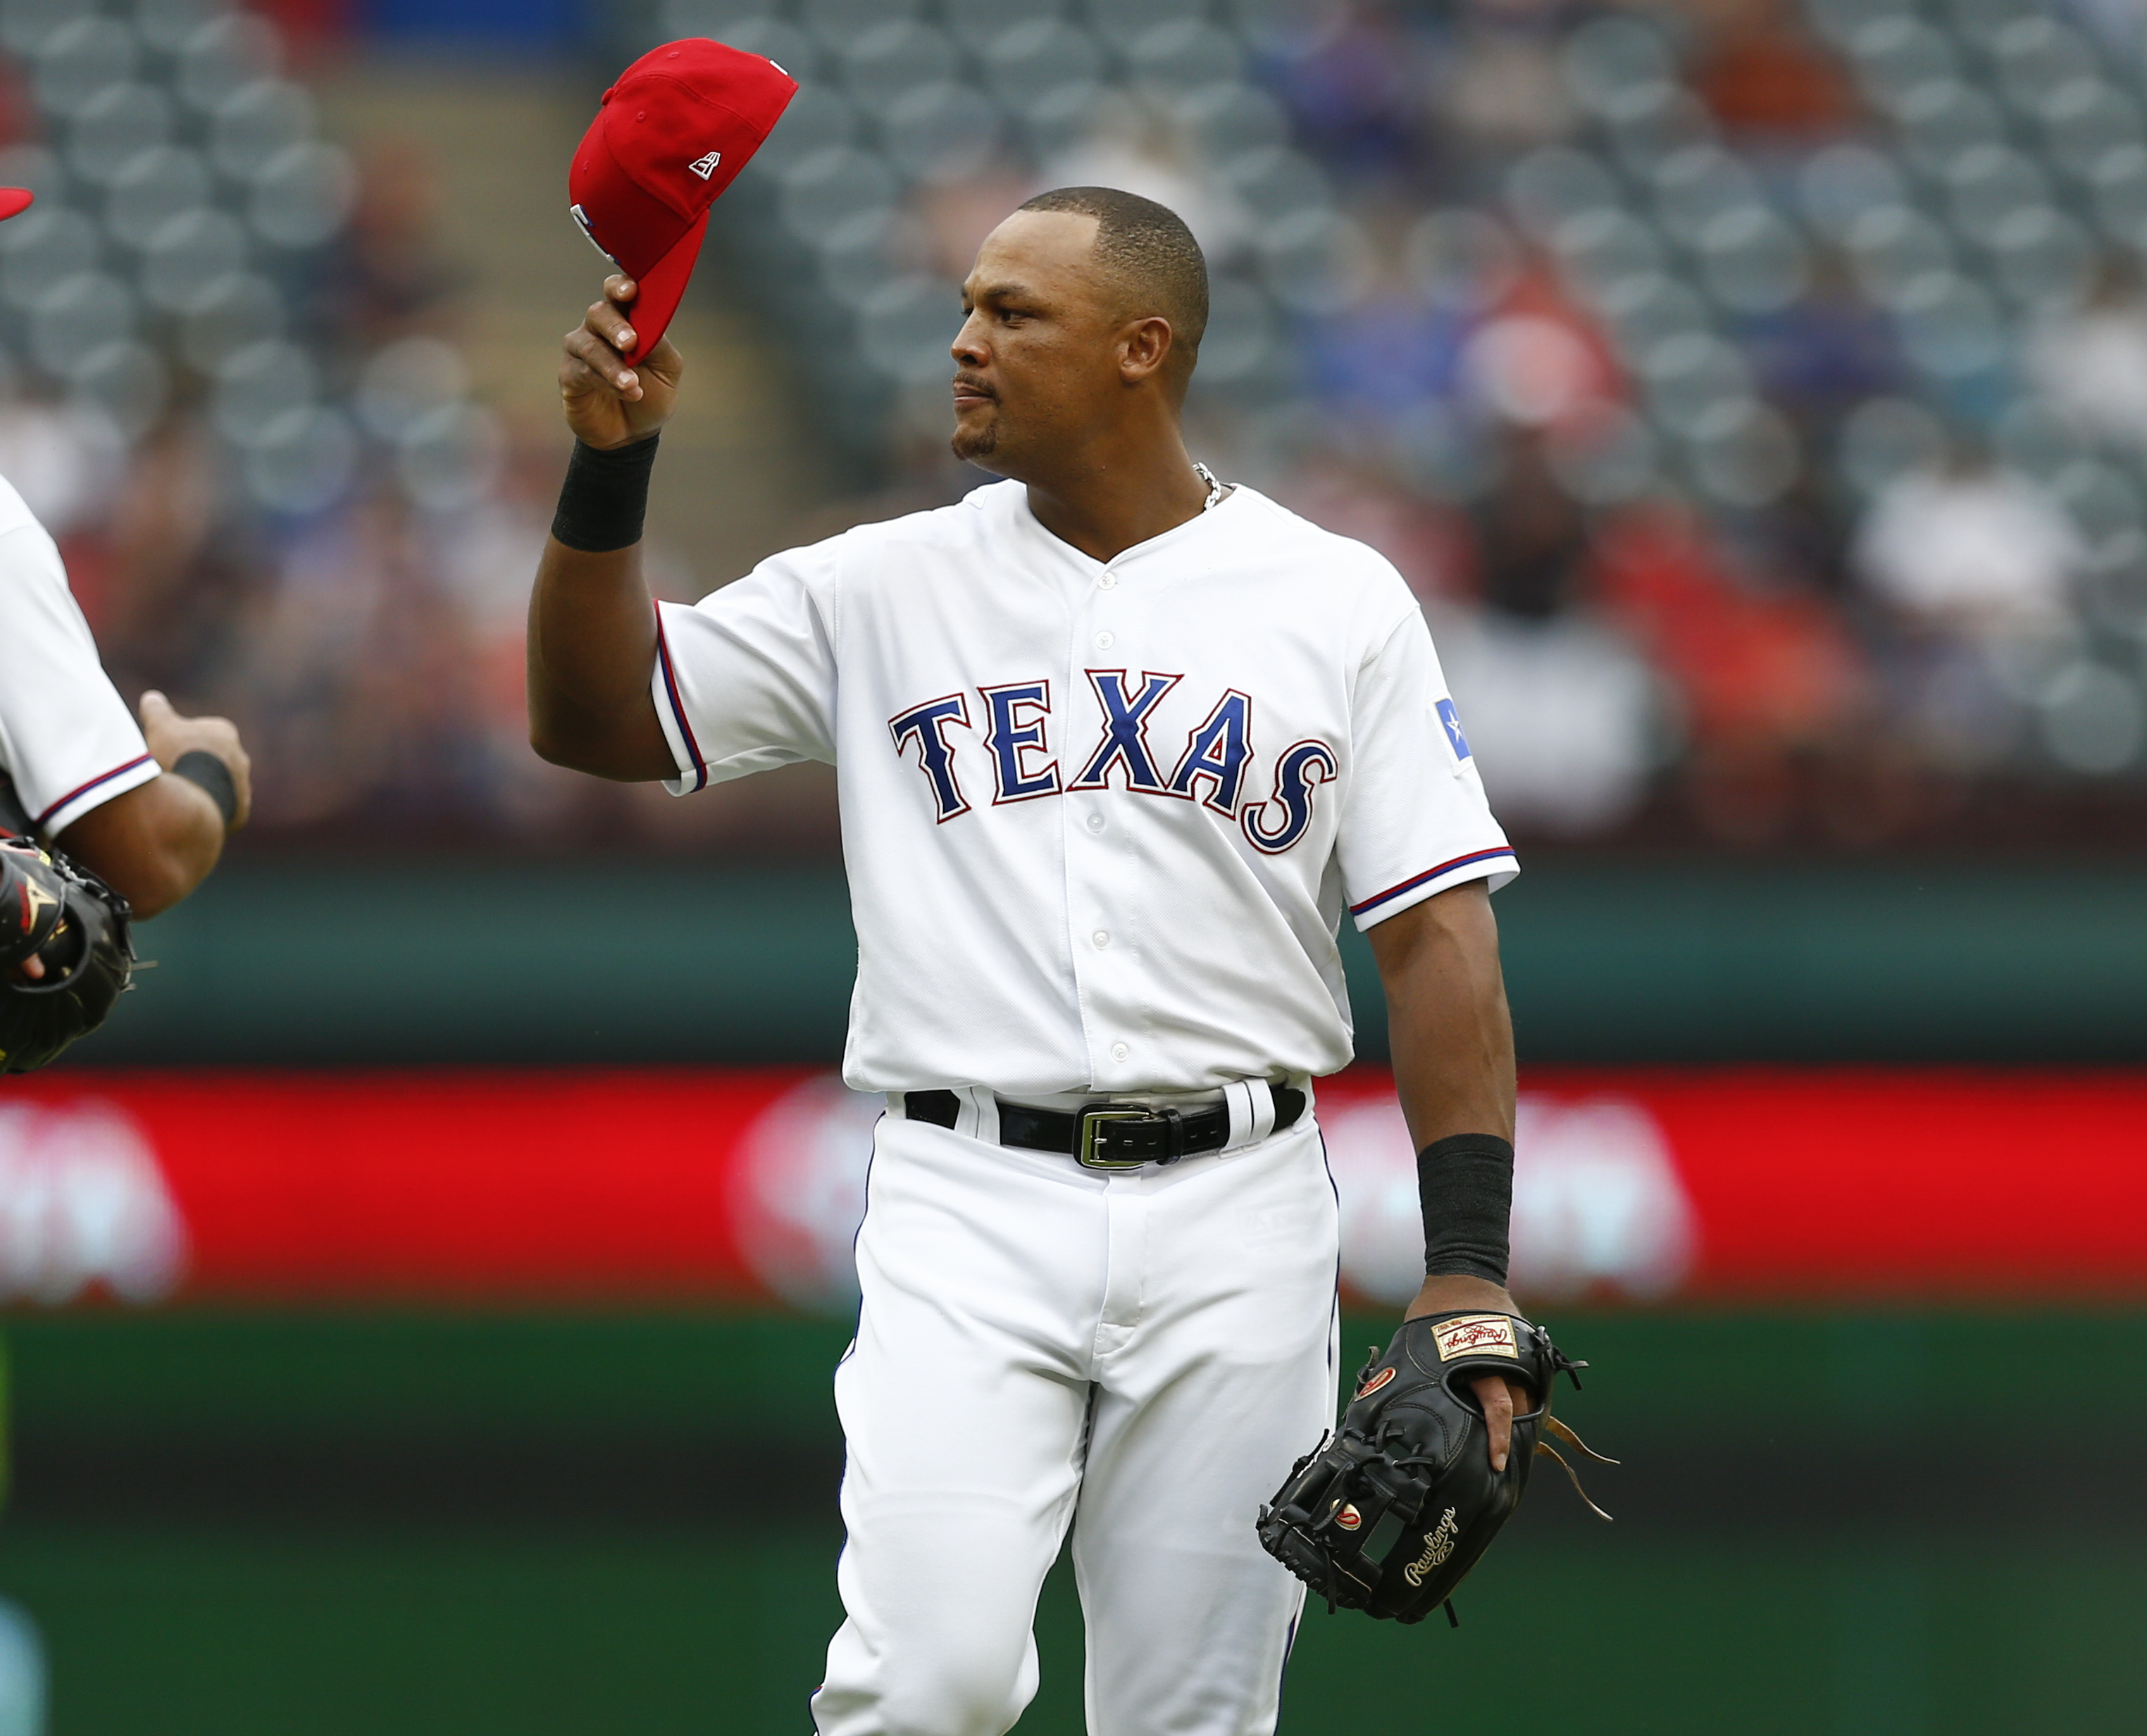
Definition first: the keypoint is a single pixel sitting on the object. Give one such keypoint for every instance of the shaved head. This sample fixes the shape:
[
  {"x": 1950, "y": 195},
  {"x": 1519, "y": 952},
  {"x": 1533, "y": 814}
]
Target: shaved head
[{"x": 1146, "y": 249}]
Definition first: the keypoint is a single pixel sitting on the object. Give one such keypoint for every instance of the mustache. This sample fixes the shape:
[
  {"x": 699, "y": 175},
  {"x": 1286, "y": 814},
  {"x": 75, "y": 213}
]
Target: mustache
[{"x": 969, "y": 382}]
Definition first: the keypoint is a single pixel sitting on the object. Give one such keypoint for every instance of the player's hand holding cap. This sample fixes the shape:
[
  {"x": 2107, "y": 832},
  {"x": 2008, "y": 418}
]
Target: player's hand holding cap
[{"x": 672, "y": 134}]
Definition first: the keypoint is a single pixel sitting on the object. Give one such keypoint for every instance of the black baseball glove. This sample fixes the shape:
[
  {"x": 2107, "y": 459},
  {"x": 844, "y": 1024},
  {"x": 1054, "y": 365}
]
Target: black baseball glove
[
  {"x": 58, "y": 912},
  {"x": 1390, "y": 1515}
]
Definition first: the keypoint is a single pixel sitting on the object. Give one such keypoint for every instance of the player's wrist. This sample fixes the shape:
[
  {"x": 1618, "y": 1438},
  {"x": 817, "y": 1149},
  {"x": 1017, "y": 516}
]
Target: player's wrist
[
  {"x": 635, "y": 434},
  {"x": 603, "y": 503},
  {"x": 1448, "y": 1293}
]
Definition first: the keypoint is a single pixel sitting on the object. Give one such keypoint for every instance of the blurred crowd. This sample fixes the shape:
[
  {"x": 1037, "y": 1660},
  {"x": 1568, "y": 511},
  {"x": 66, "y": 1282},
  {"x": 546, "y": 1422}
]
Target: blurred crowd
[
  {"x": 364, "y": 628},
  {"x": 1733, "y": 528},
  {"x": 1754, "y": 391},
  {"x": 233, "y": 390}
]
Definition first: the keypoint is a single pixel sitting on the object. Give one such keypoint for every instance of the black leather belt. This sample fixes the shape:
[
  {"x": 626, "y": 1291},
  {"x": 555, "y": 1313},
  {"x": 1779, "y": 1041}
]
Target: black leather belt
[{"x": 1107, "y": 1136}]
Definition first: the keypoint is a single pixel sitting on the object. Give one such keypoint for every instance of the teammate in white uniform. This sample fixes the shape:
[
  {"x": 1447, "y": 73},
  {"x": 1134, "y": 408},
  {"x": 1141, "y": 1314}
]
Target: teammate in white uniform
[
  {"x": 1116, "y": 749},
  {"x": 83, "y": 774}
]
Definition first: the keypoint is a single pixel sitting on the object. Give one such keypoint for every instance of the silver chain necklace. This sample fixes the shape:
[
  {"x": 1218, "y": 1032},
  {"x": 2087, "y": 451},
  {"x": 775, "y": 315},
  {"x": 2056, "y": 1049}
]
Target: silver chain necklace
[{"x": 1216, "y": 491}]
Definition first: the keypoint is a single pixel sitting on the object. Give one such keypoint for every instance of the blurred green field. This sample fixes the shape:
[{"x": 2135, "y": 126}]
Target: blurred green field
[
  {"x": 359, "y": 1523},
  {"x": 183, "y": 1630}
]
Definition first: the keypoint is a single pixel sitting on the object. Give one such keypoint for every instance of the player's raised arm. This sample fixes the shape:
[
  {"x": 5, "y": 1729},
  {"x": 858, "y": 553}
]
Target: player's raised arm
[{"x": 592, "y": 622}]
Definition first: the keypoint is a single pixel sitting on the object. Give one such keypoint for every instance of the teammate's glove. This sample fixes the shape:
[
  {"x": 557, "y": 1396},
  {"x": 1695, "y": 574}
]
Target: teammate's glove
[
  {"x": 1390, "y": 1515},
  {"x": 76, "y": 927}
]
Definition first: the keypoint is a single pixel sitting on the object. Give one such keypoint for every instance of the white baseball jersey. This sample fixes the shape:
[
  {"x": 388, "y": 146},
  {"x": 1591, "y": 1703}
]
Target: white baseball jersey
[
  {"x": 66, "y": 738},
  {"x": 1101, "y": 819}
]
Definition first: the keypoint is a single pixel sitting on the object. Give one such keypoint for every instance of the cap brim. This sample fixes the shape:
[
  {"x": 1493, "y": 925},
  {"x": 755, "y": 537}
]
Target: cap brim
[
  {"x": 657, "y": 291},
  {"x": 13, "y": 201}
]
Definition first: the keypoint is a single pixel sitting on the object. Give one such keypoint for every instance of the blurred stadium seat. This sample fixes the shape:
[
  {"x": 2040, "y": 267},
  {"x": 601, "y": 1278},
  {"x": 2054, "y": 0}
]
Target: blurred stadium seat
[{"x": 187, "y": 213}]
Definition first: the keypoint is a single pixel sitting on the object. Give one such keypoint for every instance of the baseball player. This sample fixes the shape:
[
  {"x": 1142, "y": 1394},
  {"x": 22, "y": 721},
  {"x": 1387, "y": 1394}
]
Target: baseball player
[
  {"x": 145, "y": 806},
  {"x": 1118, "y": 747}
]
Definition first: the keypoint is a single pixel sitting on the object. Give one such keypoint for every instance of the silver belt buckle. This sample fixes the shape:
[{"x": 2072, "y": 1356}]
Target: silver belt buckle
[{"x": 1084, "y": 1151}]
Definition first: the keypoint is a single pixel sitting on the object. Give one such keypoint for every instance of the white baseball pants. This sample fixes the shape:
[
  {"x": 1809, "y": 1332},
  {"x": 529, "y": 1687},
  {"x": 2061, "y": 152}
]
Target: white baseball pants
[{"x": 1143, "y": 1355}]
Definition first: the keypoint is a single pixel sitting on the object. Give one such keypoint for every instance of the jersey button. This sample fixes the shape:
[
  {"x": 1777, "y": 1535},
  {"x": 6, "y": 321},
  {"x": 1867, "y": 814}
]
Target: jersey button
[
  {"x": 1104, "y": 641},
  {"x": 1095, "y": 823},
  {"x": 1108, "y": 581},
  {"x": 1101, "y": 937},
  {"x": 1120, "y": 1052}
]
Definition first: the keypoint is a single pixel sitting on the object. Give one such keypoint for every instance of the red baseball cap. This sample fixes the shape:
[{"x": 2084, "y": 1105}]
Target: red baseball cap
[
  {"x": 14, "y": 201},
  {"x": 672, "y": 134}
]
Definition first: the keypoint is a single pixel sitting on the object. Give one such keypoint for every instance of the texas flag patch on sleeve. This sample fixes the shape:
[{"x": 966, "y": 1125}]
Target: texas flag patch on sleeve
[{"x": 1452, "y": 719}]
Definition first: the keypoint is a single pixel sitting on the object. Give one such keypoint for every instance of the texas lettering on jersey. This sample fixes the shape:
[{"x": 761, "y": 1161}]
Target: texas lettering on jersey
[{"x": 1014, "y": 720}]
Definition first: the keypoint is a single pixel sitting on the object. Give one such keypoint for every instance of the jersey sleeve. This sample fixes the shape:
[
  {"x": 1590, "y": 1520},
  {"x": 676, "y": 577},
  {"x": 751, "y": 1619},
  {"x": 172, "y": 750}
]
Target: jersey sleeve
[
  {"x": 745, "y": 678},
  {"x": 66, "y": 738},
  {"x": 1414, "y": 819}
]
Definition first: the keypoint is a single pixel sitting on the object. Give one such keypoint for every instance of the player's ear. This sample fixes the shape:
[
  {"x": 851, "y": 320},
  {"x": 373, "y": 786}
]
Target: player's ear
[{"x": 1143, "y": 347}]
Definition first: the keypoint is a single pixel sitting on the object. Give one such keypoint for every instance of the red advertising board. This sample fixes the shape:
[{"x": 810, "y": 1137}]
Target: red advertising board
[{"x": 624, "y": 1186}]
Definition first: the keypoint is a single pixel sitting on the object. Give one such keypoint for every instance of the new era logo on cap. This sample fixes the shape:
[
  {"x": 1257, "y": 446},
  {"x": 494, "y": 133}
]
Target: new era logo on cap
[{"x": 672, "y": 134}]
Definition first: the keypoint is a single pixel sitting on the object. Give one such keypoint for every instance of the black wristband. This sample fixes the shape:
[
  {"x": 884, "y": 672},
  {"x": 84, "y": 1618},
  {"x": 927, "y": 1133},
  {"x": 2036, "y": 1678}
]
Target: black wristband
[
  {"x": 1466, "y": 1183},
  {"x": 605, "y": 497},
  {"x": 200, "y": 766}
]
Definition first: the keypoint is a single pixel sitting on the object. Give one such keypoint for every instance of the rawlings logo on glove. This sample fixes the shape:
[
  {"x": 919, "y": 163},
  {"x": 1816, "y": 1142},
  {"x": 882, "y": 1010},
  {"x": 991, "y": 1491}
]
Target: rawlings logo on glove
[
  {"x": 1475, "y": 1335},
  {"x": 1390, "y": 1515},
  {"x": 1437, "y": 1547}
]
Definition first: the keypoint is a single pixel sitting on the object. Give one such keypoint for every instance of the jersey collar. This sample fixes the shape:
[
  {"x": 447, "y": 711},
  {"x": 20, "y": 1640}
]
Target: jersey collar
[{"x": 1221, "y": 514}]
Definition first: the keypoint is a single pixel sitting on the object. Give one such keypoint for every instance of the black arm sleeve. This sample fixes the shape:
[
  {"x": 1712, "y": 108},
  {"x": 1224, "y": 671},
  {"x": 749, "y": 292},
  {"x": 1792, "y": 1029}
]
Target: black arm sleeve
[
  {"x": 1466, "y": 1184},
  {"x": 605, "y": 497}
]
